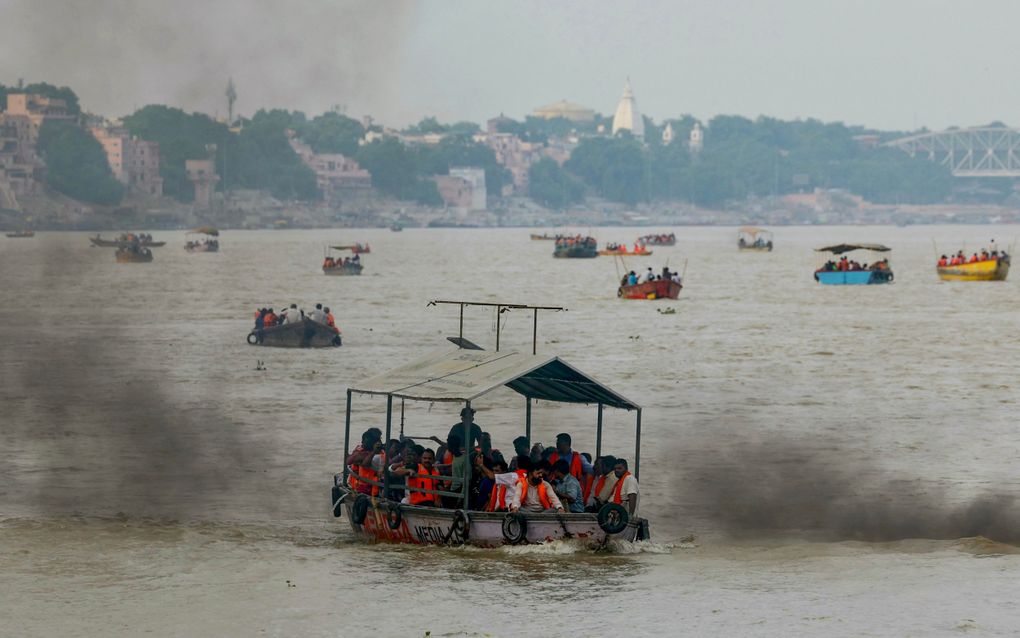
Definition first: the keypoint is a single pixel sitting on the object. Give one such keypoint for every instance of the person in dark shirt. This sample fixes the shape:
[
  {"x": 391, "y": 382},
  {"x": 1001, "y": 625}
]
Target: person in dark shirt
[{"x": 467, "y": 417}]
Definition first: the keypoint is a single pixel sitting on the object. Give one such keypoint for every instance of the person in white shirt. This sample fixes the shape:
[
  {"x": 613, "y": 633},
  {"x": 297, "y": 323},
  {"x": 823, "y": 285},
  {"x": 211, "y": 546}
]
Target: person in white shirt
[
  {"x": 535, "y": 494},
  {"x": 292, "y": 314},
  {"x": 626, "y": 490},
  {"x": 317, "y": 315},
  {"x": 649, "y": 276},
  {"x": 605, "y": 481}
]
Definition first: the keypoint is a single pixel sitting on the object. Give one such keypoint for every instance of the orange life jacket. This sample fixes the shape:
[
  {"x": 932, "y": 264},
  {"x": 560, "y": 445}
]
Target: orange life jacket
[
  {"x": 498, "y": 502},
  {"x": 586, "y": 485},
  {"x": 598, "y": 485},
  {"x": 423, "y": 483},
  {"x": 270, "y": 319},
  {"x": 617, "y": 496},
  {"x": 575, "y": 464},
  {"x": 368, "y": 473},
  {"x": 543, "y": 497}
]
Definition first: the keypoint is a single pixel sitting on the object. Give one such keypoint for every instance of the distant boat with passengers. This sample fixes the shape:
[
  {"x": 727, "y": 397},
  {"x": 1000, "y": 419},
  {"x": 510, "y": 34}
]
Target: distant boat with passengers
[
  {"x": 987, "y": 265},
  {"x": 841, "y": 270},
  {"x": 577, "y": 247},
  {"x": 754, "y": 239}
]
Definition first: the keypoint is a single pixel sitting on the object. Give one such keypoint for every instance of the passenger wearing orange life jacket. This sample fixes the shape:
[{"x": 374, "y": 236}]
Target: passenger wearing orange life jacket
[
  {"x": 602, "y": 490},
  {"x": 506, "y": 484},
  {"x": 626, "y": 491},
  {"x": 330, "y": 321},
  {"x": 425, "y": 471},
  {"x": 534, "y": 494},
  {"x": 579, "y": 466},
  {"x": 362, "y": 458},
  {"x": 270, "y": 319}
]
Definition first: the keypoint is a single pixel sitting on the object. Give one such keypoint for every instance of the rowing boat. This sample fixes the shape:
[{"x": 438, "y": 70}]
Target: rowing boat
[
  {"x": 658, "y": 289},
  {"x": 299, "y": 334}
]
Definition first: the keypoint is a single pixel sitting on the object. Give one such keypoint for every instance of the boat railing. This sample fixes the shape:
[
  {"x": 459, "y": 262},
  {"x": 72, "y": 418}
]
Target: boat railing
[{"x": 396, "y": 486}]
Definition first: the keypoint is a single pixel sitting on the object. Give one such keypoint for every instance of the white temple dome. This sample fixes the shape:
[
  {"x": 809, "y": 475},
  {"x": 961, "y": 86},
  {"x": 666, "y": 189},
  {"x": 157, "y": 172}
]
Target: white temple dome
[{"x": 627, "y": 115}]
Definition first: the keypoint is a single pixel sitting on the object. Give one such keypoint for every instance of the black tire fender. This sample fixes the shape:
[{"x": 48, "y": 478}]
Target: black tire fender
[
  {"x": 515, "y": 528},
  {"x": 337, "y": 341},
  {"x": 619, "y": 291},
  {"x": 461, "y": 525},
  {"x": 394, "y": 517},
  {"x": 337, "y": 501},
  {"x": 254, "y": 338},
  {"x": 359, "y": 510},
  {"x": 613, "y": 518}
]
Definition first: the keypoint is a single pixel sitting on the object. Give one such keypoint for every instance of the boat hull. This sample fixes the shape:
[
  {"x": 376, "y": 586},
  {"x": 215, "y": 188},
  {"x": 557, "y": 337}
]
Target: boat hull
[
  {"x": 575, "y": 252},
  {"x": 21, "y": 234},
  {"x": 303, "y": 334},
  {"x": 344, "y": 271},
  {"x": 756, "y": 249},
  {"x": 113, "y": 243},
  {"x": 661, "y": 289},
  {"x": 989, "y": 270},
  {"x": 535, "y": 237},
  {"x": 623, "y": 253},
  {"x": 854, "y": 277},
  {"x": 434, "y": 526}
]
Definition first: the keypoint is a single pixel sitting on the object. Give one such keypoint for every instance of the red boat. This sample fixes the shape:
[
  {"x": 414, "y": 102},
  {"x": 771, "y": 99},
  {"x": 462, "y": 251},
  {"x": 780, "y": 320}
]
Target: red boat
[{"x": 659, "y": 289}]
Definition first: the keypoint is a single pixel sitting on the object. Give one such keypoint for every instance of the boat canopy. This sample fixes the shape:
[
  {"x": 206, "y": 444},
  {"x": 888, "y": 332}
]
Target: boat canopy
[
  {"x": 463, "y": 375},
  {"x": 204, "y": 230},
  {"x": 839, "y": 249},
  {"x": 753, "y": 230}
]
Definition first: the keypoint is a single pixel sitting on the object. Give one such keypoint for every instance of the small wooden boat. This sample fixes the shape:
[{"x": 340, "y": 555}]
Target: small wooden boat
[
  {"x": 133, "y": 255},
  {"x": 754, "y": 239},
  {"x": 300, "y": 334},
  {"x": 878, "y": 272},
  {"x": 343, "y": 270},
  {"x": 988, "y": 270},
  {"x": 124, "y": 240},
  {"x": 613, "y": 250},
  {"x": 659, "y": 289},
  {"x": 544, "y": 237},
  {"x": 21, "y": 234},
  {"x": 658, "y": 240},
  {"x": 576, "y": 248},
  {"x": 463, "y": 376}
]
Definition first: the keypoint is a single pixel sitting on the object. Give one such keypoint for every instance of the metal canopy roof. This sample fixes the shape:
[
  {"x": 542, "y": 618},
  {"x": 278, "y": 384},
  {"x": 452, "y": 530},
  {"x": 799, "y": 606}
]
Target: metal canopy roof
[
  {"x": 464, "y": 375},
  {"x": 839, "y": 249}
]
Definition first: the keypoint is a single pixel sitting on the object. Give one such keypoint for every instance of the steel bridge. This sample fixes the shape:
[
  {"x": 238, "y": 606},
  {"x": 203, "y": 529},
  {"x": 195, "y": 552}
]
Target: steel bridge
[{"x": 968, "y": 152}]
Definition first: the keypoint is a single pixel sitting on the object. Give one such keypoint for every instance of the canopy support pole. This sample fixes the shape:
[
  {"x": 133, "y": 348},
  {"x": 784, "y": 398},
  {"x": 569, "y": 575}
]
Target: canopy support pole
[
  {"x": 499, "y": 309},
  {"x": 637, "y": 446},
  {"x": 347, "y": 436},
  {"x": 534, "y": 335},
  {"x": 527, "y": 419},
  {"x": 468, "y": 448},
  {"x": 598, "y": 435},
  {"x": 386, "y": 461}
]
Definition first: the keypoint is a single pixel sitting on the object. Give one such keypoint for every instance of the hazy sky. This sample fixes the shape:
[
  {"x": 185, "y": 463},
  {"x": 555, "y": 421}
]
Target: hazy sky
[{"x": 892, "y": 64}]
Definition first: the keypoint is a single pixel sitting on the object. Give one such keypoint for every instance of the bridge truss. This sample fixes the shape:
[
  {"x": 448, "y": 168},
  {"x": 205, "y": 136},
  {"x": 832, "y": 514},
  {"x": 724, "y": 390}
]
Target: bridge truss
[{"x": 969, "y": 152}]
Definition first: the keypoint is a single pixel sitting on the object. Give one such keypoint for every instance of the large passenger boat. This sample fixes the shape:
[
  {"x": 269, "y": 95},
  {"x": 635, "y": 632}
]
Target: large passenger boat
[
  {"x": 335, "y": 265},
  {"x": 754, "y": 239},
  {"x": 576, "y": 248},
  {"x": 208, "y": 244},
  {"x": 461, "y": 377},
  {"x": 840, "y": 270},
  {"x": 299, "y": 334}
]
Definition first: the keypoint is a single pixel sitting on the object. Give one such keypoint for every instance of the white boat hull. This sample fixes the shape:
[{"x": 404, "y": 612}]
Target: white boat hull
[{"x": 434, "y": 526}]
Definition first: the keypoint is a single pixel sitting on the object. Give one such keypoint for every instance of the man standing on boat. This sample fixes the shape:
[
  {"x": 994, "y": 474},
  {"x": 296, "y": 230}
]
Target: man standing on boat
[
  {"x": 534, "y": 494},
  {"x": 467, "y": 417}
]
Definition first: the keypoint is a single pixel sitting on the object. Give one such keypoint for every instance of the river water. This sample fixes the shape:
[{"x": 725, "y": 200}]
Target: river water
[{"x": 815, "y": 460}]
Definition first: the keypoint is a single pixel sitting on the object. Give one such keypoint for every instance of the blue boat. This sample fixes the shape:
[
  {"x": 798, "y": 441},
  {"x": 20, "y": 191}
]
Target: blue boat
[{"x": 854, "y": 273}]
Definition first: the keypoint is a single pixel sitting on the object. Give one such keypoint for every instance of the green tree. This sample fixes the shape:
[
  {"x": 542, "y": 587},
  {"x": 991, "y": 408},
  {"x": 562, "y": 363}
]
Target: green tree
[
  {"x": 394, "y": 170},
  {"x": 615, "y": 167},
  {"x": 265, "y": 159},
  {"x": 550, "y": 185},
  {"x": 76, "y": 164},
  {"x": 52, "y": 91},
  {"x": 332, "y": 132}
]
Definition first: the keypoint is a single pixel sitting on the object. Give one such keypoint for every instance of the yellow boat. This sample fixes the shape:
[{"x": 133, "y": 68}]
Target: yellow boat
[{"x": 987, "y": 270}]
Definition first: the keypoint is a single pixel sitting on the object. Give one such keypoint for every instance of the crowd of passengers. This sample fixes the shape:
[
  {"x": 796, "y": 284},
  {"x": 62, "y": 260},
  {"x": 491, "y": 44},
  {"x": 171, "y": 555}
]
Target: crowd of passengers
[
  {"x": 849, "y": 265},
  {"x": 658, "y": 239},
  {"x": 638, "y": 247},
  {"x": 536, "y": 478},
  {"x": 984, "y": 255},
  {"x": 577, "y": 240},
  {"x": 267, "y": 317},
  {"x": 346, "y": 262},
  {"x": 633, "y": 279}
]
